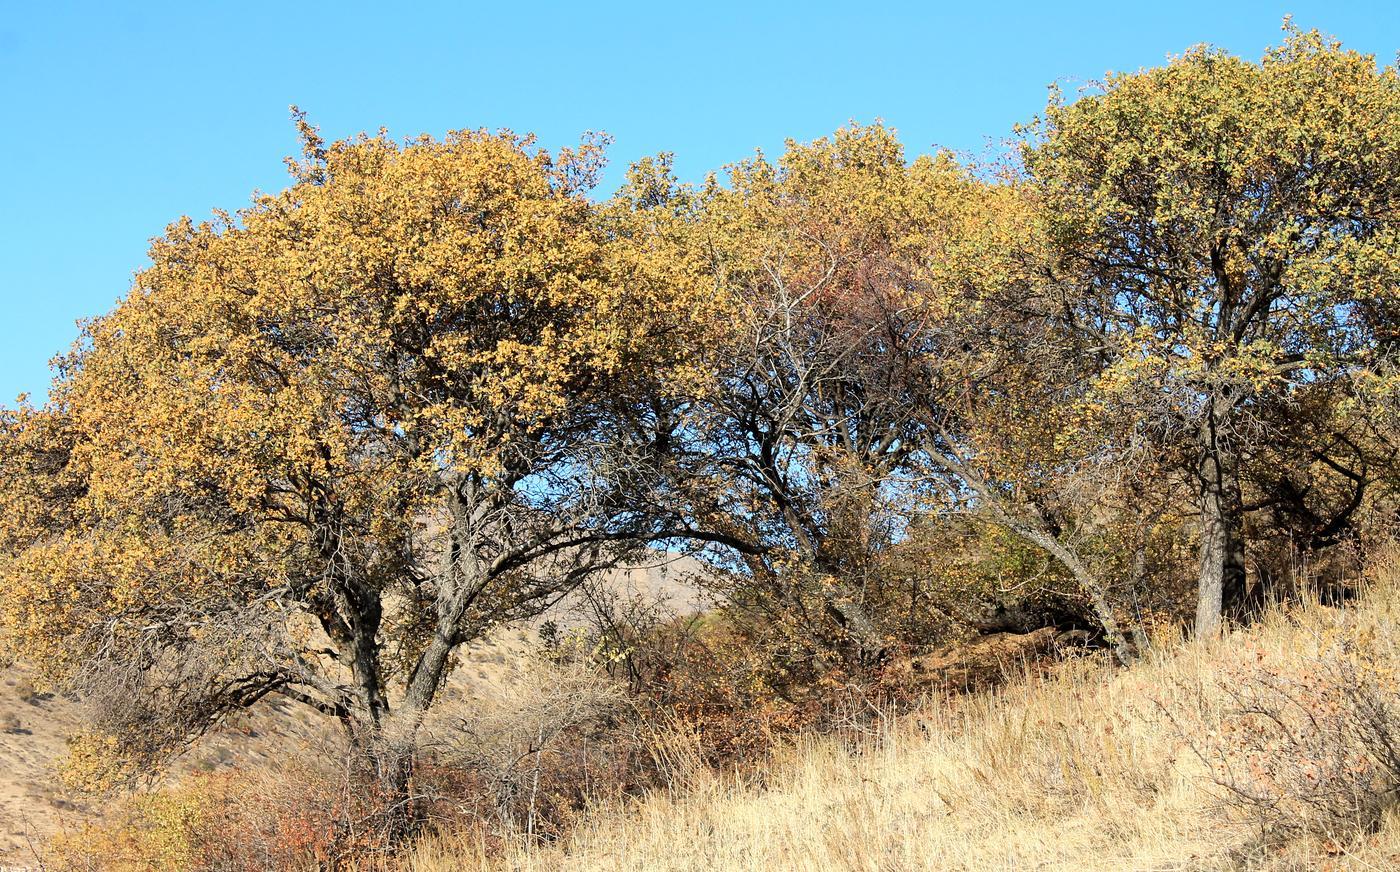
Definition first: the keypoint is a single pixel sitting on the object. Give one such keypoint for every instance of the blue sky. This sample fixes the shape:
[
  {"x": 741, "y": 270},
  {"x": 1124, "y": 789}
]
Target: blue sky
[{"x": 123, "y": 116}]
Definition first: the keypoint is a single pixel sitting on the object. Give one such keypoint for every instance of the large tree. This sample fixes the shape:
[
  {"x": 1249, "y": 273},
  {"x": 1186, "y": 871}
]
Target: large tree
[
  {"x": 1232, "y": 230},
  {"x": 796, "y": 450},
  {"x": 891, "y": 356},
  {"x": 329, "y": 439}
]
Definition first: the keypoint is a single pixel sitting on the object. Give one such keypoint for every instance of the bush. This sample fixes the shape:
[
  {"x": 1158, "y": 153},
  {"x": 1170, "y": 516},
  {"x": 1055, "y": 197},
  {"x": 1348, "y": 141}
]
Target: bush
[
  {"x": 302, "y": 816},
  {"x": 539, "y": 746},
  {"x": 1306, "y": 746},
  {"x": 1315, "y": 752}
]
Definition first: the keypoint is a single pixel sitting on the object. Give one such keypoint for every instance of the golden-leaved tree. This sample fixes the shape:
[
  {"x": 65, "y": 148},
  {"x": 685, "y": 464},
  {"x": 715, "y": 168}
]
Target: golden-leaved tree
[
  {"x": 797, "y": 452},
  {"x": 896, "y": 354},
  {"x": 1232, "y": 232},
  {"x": 329, "y": 439}
]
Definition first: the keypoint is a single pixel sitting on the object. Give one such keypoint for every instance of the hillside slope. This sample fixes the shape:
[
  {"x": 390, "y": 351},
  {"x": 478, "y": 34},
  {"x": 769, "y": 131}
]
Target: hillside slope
[
  {"x": 35, "y": 726},
  {"x": 1266, "y": 749}
]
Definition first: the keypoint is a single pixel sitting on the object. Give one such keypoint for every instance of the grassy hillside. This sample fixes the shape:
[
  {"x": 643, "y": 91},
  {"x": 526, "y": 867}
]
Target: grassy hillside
[
  {"x": 36, "y": 724},
  {"x": 1271, "y": 748}
]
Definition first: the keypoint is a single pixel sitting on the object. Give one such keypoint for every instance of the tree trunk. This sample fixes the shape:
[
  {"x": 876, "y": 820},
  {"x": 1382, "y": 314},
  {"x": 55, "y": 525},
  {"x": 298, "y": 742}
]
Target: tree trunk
[
  {"x": 846, "y": 609},
  {"x": 393, "y": 755},
  {"x": 394, "y": 752},
  {"x": 396, "y": 763},
  {"x": 1221, "y": 585},
  {"x": 1038, "y": 532},
  {"x": 1098, "y": 600}
]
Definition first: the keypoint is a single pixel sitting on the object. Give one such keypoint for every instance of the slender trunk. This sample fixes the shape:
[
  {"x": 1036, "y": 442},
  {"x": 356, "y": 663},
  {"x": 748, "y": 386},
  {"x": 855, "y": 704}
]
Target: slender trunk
[
  {"x": 535, "y": 786},
  {"x": 1039, "y": 532},
  {"x": 1137, "y": 575},
  {"x": 1089, "y": 583},
  {"x": 1235, "y": 593},
  {"x": 1211, "y": 585},
  {"x": 1221, "y": 585}
]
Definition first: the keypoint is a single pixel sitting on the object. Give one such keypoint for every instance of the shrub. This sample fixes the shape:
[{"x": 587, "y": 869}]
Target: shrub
[
  {"x": 302, "y": 816},
  {"x": 1312, "y": 751}
]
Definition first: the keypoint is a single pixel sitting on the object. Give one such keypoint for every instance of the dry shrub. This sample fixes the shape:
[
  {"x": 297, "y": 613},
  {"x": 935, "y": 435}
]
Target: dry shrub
[
  {"x": 598, "y": 716},
  {"x": 720, "y": 686},
  {"x": 541, "y": 746},
  {"x": 724, "y": 688},
  {"x": 301, "y": 816},
  {"x": 1310, "y": 747},
  {"x": 1302, "y": 744},
  {"x": 732, "y": 691},
  {"x": 515, "y": 766}
]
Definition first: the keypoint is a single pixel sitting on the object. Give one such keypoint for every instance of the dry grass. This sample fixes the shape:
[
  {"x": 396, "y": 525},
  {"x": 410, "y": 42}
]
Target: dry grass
[
  {"x": 35, "y": 727},
  {"x": 1087, "y": 769}
]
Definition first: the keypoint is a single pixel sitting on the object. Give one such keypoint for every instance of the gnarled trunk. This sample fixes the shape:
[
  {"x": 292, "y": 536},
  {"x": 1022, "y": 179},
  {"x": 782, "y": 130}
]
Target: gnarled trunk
[{"x": 847, "y": 610}]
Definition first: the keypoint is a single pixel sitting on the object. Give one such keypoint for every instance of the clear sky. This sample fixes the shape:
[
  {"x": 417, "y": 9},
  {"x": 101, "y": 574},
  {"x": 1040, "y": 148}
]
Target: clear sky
[{"x": 122, "y": 116}]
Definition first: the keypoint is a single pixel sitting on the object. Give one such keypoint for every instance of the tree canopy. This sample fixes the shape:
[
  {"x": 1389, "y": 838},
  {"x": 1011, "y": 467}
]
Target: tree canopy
[
  {"x": 1231, "y": 230},
  {"x": 385, "y": 401}
]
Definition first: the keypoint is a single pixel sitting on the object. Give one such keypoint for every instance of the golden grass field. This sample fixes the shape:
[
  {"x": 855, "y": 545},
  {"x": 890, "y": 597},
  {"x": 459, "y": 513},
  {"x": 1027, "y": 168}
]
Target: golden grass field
[
  {"x": 1081, "y": 767},
  {"x": 1085, "y": 769}
]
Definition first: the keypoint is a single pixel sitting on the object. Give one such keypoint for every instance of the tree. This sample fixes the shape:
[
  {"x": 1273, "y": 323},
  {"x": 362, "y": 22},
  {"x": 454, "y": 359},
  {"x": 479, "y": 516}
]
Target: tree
[
  {"x": 884, "y": 358},
  {"x": 996, "y": 384},
  {"x": 328, "y": 440},
  {"x": 794, "y": 452},
  {"x": 1232, "y": 229}
]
